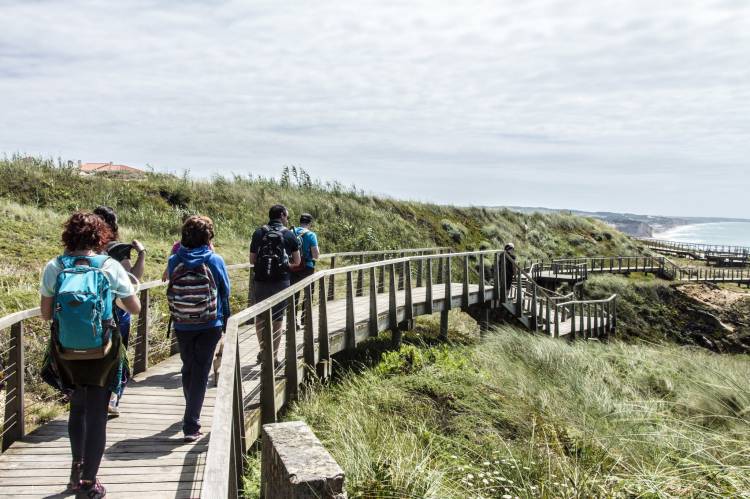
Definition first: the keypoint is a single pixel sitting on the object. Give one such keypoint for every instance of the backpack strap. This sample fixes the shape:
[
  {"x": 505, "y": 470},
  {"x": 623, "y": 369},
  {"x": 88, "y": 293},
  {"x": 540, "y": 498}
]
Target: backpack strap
[{"x": 95, "y": 261}]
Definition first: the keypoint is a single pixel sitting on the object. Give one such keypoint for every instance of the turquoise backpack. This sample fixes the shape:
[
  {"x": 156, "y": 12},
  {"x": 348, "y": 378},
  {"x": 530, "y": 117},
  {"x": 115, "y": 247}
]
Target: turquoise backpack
[{"x": 82, "y": 321}]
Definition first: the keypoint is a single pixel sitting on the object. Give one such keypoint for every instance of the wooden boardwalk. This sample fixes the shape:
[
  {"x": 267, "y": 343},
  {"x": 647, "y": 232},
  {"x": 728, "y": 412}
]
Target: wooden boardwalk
[{"x": 145, "y": 454}]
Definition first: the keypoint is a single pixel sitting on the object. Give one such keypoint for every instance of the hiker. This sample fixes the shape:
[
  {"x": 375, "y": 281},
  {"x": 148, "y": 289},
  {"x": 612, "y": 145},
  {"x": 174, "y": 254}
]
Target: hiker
[
  {"x": 121, "y": 252},
  {"x": 75, "y": 287},
  {"x": 309, "y": 252},
  {"x": 272, "y": 249},
  {"x": 198, "y": 297},
  {"x": 220, "y": 346},
  {"x": 510, "y": 270}
]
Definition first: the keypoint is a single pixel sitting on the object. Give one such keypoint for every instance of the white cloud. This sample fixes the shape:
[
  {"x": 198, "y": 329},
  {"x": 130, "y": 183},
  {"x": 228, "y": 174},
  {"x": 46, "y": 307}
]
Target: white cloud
[{"x": 546, "y": 102}]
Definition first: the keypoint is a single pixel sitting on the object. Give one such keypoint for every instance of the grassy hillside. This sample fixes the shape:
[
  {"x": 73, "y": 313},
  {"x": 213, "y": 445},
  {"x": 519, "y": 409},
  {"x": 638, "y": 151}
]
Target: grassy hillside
[
  {"x": 36, "y": 195},
  {"x": 526, "y": 416}
]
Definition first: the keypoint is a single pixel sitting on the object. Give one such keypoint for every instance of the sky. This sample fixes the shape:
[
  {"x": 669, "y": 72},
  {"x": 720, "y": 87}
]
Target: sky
[{"x": 630, "y": 106}]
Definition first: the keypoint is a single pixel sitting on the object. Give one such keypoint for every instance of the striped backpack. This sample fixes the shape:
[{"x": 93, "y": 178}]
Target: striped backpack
[{"x": 192, "y": 295}]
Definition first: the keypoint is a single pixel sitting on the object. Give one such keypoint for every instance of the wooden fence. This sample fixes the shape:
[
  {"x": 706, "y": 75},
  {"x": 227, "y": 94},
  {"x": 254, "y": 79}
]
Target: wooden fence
[{"x": 13, "y": 348}]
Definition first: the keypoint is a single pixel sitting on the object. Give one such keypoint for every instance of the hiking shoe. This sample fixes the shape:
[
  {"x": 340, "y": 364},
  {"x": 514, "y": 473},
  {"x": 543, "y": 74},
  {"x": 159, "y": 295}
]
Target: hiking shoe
[
  {"x": 192, "y": 437},
  {"x": 112, "y": 408},
  {"x": 91, "y": 490},
  {"x": 76, "y": 470}
]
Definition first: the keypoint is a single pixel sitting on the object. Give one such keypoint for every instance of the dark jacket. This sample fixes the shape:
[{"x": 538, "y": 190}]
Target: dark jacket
[{"x": 510, "y": 270}]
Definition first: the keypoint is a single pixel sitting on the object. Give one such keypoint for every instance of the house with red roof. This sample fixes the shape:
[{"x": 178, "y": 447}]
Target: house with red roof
[{"x": 110, "y": 168}]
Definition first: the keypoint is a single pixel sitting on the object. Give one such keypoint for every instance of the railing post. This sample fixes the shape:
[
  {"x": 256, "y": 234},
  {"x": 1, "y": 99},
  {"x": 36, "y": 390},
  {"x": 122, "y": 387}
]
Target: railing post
[
  {"x": 373, "y": 320},
  {"x": 496, "y": 278},
  {"x": 519, "y": 294},
  {"x": 573, "y": 320},
  {"x": 428, "y": 287},
  {"x": 140, "y": 363},
  {"x": 267, "y": 372},
  {"x": 548, "y": 326},
  {"x": 332, "y": 284},
  {"x": 587, "y": 333},
  {"x": 440, "y": 269},
  {"x": 361, "y": 277},
  {"x": 557, "y": 321},
  {"x": 401, "y": 275},
  {"x": 534, "y": 309},
  {"x": 409, "y": 303},
  {"x": 465, "y": 293},
  {"x": 324, "y": 347},
  {"x": 392, "y": 306},
  {"x": 503, "y": 280},
  {"x": 351, "y": 340},
  {"x": 290, "y": 371},
  {"x": 381, "y": 277},
  {"x": 481, "y": 280},
  {"x": 420, "y": 268},
  {"x": 238, "y": 439},
  {"x": 308, "y": 336},
  {"x": 14, "y": 425},
  {"x": 448, "y": 298}
]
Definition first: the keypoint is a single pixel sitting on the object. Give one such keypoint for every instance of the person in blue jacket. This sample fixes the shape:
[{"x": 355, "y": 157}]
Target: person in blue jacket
[{"x": 198, "y": 326}]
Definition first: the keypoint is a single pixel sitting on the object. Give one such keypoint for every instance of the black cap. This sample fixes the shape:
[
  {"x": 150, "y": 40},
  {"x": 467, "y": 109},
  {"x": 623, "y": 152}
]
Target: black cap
[{"x": 305, "y": 218}]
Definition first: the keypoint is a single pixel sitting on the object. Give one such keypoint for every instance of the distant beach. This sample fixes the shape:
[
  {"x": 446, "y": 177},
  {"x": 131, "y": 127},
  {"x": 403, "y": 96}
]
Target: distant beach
[{"x": 729, "y": 233}]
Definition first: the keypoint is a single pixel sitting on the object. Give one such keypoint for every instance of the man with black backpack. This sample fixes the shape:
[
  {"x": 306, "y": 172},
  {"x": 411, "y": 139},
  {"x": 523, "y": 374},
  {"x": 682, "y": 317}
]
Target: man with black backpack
[{"x": 273, "y": 249}]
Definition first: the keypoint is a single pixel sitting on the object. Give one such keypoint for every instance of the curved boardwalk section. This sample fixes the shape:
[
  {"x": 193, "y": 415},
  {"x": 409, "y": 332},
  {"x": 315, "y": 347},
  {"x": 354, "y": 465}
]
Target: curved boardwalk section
[{"x": 344, "y": 306}]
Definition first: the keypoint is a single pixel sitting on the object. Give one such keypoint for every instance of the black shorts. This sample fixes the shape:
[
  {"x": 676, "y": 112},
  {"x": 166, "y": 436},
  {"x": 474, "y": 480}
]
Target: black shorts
[{"x": 266, "y": 289}]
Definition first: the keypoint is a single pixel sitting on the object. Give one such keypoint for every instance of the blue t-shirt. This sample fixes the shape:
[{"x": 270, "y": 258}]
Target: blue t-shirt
[{"x": 309, "y": 241}]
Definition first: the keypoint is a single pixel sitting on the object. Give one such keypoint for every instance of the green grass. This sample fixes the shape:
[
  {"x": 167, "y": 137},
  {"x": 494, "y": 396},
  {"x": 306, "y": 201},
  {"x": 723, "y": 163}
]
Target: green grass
[
  {"x": 37, "y": 195},
  {"x": 526, "y": 416}
]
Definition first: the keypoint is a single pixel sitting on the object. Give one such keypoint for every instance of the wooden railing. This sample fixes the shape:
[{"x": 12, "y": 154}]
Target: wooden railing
[
  {"x": 12, "y": 350},
  {"x": 615, "y": 264},
  {"x": 698, "y": 249},
  {"x": 238, "y": 416}
]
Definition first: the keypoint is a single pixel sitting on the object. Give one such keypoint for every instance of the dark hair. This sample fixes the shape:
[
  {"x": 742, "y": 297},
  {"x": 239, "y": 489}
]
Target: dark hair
[
  {"x": 276, "y": 211},
  {"x": 85, "y": 231},
  {"x": 197, "y": 231},
  {"x": 305, "y": 218},
  {"x": 110, "y": 217}
]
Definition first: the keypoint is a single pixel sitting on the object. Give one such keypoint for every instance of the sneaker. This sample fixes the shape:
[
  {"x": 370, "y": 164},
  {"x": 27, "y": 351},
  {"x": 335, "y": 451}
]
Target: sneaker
[
  {"x": 91, "y": 490},
  {"x": 192, "y": 437},
  {"x": 112, "y": 408},
  {"x": 76, "y": 470}
]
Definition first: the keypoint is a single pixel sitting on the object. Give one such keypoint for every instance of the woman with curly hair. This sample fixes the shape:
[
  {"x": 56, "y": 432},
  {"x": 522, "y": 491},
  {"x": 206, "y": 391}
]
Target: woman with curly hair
[
  {"x": 121, "y": 252},
  {"x": 90, "y": 379}
]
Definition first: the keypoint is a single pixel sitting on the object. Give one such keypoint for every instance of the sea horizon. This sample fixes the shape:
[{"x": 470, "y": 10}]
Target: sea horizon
[{"x": 721, "y": 233}]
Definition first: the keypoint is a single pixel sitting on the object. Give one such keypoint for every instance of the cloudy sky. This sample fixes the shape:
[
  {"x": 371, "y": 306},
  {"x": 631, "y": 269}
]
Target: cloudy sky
[{"x": 640, "y": 106}]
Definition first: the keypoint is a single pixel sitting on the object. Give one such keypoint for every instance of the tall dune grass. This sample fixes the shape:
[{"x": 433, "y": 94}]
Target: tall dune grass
[{"x": 524, "y": 416}]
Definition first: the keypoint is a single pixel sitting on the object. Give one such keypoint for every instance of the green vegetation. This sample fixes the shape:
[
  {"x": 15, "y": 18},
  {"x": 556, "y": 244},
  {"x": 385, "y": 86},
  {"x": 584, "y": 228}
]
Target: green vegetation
[
  {"x": 654, "y": 310},
  {"x": 36, "y": 196},
  {"x": 526, "y": 416}
]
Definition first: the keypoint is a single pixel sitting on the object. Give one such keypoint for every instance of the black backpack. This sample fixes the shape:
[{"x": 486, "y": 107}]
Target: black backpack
[{"x": 272, "y": 260}]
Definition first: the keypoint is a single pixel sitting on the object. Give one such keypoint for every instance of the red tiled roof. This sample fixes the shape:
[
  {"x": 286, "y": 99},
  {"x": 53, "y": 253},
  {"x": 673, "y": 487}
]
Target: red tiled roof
[{"x": 108, "y": 167}]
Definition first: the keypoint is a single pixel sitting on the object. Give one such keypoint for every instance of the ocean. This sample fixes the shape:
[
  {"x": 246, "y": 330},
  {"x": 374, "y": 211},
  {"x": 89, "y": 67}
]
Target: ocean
[{"x": 729, "y": 233}]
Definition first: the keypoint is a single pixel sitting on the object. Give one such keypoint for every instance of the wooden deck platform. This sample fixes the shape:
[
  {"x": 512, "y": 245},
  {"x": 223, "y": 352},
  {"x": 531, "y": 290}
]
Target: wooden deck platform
[{"x": 145, "y": 454}]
